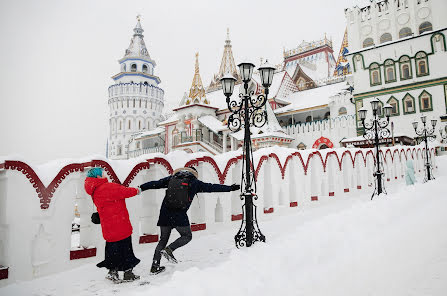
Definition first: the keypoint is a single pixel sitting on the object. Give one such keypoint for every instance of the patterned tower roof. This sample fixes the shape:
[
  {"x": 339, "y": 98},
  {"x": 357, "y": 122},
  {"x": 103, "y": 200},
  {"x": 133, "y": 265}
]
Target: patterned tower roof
[
  {"x": 227, "y": 65},
  {"x": 137, "y": 47},
  {"x": 197, "y": 91},
  {"x": 342, "y": 66}
]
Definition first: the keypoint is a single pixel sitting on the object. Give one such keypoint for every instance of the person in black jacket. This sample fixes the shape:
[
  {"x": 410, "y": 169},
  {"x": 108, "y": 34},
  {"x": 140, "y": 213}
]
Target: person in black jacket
[{"x": 177, "y": 218}]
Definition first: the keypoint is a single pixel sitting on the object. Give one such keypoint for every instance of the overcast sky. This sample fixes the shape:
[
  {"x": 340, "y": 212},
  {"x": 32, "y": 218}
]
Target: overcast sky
[{"x": 57, "y": 58}]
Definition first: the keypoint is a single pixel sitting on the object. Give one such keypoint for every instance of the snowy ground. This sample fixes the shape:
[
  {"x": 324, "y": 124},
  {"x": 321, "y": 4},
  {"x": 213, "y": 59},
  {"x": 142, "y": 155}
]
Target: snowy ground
[{"x": 393, "y": 245}]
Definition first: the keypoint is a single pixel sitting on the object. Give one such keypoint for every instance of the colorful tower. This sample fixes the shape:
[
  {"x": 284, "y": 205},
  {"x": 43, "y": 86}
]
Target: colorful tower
[
  {"x": 342, "y": 66},
  {"x": 135, "y": 99}
]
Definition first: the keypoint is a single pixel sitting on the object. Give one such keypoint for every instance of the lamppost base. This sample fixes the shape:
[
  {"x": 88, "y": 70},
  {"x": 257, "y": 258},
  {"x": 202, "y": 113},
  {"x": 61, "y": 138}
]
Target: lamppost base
[
  {"x": 240, "y": 238},
  {"x": 379, "y": 184}
]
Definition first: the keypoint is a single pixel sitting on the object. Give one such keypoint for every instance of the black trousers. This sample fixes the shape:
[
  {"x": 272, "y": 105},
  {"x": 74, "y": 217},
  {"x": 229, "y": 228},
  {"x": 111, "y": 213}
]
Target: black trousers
[
  {"x": 185, "y": 237},
  {"x": 119, "y": 255}
]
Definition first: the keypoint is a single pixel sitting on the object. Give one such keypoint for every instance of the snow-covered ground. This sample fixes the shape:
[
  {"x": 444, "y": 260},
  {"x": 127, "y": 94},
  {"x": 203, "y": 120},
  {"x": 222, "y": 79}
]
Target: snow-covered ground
[{"x": 350, "y": 245}]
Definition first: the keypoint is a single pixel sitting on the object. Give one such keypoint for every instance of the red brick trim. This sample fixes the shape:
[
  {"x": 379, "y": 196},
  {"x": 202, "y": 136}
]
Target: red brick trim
[
  {"x": 346, "y": 190},
  {"x": 359, "y": 186},
  {"x": 4, "y": 272},
  {"x": 331, "y": 193},
  {"x": 84, "y": 253},
  {"x": 236, "y": 217},
  {"x": 314, "y": 198},
  {"x": 293, "y": 204},
  {"x": 268, "y": 211},
  {"x": 148, "y": 238},
  {"x": 198, "y": 227}
]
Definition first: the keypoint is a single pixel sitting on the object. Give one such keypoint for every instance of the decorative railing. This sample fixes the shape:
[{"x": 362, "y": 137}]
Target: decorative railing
[
  {"x": 37, "y": 202},
  {"x": 138, "y": 152}
]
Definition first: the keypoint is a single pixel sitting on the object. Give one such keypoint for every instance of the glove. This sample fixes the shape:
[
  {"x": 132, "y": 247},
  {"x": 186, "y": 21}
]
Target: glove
[
  {"x": 235, "y": 187},
  {"x": 139, "y": 190},
  {"x": 95, "y": 218}
]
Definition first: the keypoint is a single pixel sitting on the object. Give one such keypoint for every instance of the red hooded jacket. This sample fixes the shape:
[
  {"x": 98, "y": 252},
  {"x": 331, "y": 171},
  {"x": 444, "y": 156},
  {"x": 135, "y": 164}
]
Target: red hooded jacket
[{"x": 109, "y": 199}]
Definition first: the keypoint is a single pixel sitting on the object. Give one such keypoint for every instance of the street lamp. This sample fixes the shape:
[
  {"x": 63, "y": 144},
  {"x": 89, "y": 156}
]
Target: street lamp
[
  {"x": 376, "y": 129},
  {"x": 425, "y": 134},
  {"x": 245, "y": 111}
]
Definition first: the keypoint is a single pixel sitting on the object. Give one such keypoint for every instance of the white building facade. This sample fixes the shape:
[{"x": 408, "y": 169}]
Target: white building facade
[
  {"x": 135, "y": 99},
  {"x": 398, "y": 56}
]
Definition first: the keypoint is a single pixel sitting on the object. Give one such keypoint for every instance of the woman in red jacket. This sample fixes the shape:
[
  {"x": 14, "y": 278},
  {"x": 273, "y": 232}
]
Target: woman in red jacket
[{"x": 109, "y": 199}]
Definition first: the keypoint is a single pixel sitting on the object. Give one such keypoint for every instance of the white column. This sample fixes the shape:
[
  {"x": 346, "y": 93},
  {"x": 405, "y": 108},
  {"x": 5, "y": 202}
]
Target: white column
[{"x": 232, "y": 144}]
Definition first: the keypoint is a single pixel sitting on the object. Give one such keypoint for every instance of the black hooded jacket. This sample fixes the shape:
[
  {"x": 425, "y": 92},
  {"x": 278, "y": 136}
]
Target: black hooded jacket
[{"x": 172, "y": 217}]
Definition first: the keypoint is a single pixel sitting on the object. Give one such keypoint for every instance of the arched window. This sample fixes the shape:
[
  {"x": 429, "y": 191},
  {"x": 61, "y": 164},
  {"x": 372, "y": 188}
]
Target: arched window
[
  {"x": 405, "y": 68},
  {"x": 128, "y": 125},
  {"x": 121, "y": 125},
  {"x": 425, "y": 103},
  {"x": 148, "y": 125},
  {"x": 374, "y": 74},
  {"x": 390, "y": 71},
  {"x": 144, "y": 68},
  {"x": 408, "y": 104},
  {"x": 385, "y": 38},
  {"x": 368, "y": 42},
  {"x": 421, "y": 64},
  {"x": 405, "y": 32},
  {"x": 133, "y": 68},
  {"x": 309, "y": 118},
  {"x": 395, "y": 105},
  {"x": 425, "y": 27},
  {"x": 139, "y": 125},
  {"x": 342, "y": 111},
  {"x": 301, "y": 84}
]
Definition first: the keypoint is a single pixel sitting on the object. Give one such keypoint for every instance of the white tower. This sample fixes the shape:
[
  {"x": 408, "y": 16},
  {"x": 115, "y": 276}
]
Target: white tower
[{"x": 135, "y": 100}]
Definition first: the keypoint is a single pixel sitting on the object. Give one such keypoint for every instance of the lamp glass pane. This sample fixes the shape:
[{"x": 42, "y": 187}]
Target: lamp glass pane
[{"x": 424, "y": 119}]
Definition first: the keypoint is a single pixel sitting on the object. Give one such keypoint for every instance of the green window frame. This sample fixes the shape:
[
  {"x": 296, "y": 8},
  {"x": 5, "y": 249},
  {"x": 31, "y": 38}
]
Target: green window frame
[
  {"x": 374, "y": 69},
  {"x": 425, "y": 94},
  {"x": 389, "y": 67},
  {"x": 405, "y": 61},
  {"x": 421, "y": 57},
  {"x": 404, "y": 105},
  {"x": 394, "y": 100}
]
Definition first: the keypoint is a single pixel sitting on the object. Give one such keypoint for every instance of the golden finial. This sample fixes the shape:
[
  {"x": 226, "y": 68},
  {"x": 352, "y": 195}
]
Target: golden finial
[
  {"x": 138, "y": 17},
  {"x": 197, "y": 62},
  {"x": 228, "y": 33}
]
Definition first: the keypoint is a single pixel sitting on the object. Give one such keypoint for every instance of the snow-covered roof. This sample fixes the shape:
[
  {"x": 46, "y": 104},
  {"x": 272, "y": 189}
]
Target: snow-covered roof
[
  {"x": 155, "y": 131},
  {"x": 171, "y": 119},
  {"x": 311, "y": 98},
  {"x": 212, "y": 123}
]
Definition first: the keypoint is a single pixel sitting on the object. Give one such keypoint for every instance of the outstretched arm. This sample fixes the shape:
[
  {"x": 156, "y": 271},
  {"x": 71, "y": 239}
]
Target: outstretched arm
[
  {"x": 209, "y": 187},
  {"x": 162, "y": 183},
  {"x": 117, "y": 191}
]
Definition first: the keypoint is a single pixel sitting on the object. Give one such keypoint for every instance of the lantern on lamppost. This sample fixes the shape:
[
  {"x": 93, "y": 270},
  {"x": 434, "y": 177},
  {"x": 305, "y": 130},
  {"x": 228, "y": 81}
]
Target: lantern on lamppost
[
  {"x": 376, "y": 130},
  {"x": 426, "y": 134},
  {"x": 248, "y": 110}
]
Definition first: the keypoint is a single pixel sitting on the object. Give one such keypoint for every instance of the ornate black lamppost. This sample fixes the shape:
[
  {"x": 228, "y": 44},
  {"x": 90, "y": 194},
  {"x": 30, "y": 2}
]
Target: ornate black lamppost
[
  {"x": 426, "y": 134},
  {"x": 377, "y": 129},
  {"x": 246, "y": 111}
]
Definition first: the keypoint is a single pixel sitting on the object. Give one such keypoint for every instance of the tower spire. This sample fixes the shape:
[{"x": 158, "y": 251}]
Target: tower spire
[
  {"x": 137, "y": 47},
  {"x": 227, "y": 65},
  {"x": 197, "y": 91}
]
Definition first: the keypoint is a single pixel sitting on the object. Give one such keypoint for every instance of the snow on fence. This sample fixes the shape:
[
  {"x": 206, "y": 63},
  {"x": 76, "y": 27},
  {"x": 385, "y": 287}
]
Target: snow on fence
[{"x": 37, "y": 203}]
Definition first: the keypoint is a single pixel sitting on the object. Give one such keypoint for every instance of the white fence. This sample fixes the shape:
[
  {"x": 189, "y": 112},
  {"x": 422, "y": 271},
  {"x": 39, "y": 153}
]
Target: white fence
[{"x": 36, "y": 211}]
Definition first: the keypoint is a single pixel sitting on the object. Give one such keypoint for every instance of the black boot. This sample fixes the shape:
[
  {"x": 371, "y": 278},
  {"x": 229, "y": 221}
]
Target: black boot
[
  {"x": 156, "y": 268},
  {"x": 113, "y": 276},
  {"x": 167, "y": 253},
  {"x": 129, "y": 276}
]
